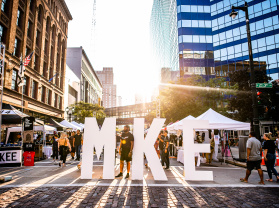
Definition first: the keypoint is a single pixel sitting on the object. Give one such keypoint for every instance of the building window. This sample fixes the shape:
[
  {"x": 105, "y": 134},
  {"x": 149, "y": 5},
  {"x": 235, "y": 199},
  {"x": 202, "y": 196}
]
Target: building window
[
  {"x": 24, "y": 86},
  {"x": 49, "y": 97},
  {"x": 14, "y": 76},
  {"x": 4, "y": 5},
  {"x": 1, "y": 32},
  {"x": 55, "y": 100},
  {"x": 43, "y": 94},
  {"x": 59, "y": 102},
  {"x": 29, "y": 29},
  {"x": 34, "y": 89},
  {"x": 18, "y": 17},
  {"x": 15, "y": 47}
]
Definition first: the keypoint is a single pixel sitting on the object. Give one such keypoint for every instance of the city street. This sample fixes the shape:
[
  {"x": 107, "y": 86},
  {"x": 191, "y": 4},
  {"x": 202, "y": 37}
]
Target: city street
[{"x": 47, "y": 185}]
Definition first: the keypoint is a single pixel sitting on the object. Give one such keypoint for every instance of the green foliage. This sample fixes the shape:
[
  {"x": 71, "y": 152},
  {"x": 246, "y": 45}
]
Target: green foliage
[
  {"x": 82, "y": 110},
  {"x": 192, "y": 96}
]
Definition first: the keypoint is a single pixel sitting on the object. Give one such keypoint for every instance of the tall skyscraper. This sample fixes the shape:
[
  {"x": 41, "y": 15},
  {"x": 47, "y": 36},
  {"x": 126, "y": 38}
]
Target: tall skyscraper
[
  {"x": 210, "y": 42},
  {"x": 109, "y": 89}
]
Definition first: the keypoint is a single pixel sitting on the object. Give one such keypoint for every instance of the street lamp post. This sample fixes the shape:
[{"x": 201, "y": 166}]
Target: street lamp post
[
  {"x": 233, "y": 14},
  {"x": 69, "y": 112}
]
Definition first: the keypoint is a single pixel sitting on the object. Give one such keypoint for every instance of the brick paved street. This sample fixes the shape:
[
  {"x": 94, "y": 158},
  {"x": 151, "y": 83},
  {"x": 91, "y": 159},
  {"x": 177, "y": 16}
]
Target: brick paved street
[
  {"x": 47, "y": 185},
  {"x": 117, "y": 196}
]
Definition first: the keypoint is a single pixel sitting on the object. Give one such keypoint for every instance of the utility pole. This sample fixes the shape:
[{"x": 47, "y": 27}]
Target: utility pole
[
  {"x": 256, "y": 126},
  {"x": 2, "y": 74}
]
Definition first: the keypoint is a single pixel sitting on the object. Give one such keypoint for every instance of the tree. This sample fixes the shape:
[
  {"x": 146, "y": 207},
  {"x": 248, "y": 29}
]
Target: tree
[
  {"x": 83, "y": 110},
  {"x": 191, "y": 96},
  {"x": 241, "y": 102}
]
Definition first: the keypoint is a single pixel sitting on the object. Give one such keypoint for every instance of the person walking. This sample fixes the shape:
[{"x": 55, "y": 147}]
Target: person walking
[
  {"x": 55, "y": 148},
  {"x": 161, "y": 145},
  {"x": 77, "y": 144},
  {"x": 165, "y": 154},
  {"x": 64, "y": 147},
  {"x": 125, "y": 151},
  {"x": 71, "y": 140},
  {"x": 209, "y": 155},
  {"x": 269, "y": 156},
  {"x": 254, "y": 149}
]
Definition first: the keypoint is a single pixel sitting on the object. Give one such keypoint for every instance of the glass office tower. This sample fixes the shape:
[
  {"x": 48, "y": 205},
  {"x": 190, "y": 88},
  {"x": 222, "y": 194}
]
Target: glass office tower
[
  {"x": 212, "y": 44},
  {"x": 195, "y": 38},
  {"x": 164, "y": 38},
  {"x": 230, "y": 38}
]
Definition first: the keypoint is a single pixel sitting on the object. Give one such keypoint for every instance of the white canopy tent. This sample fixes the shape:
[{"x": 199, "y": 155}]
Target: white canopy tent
[
  {"x": 218, "y": 121},
  {"x": 70, "y": 125},
  {"x": 77, "y": 124},
  {"x": 179, "y": 125},
  {"x": 47, "y": 129}
]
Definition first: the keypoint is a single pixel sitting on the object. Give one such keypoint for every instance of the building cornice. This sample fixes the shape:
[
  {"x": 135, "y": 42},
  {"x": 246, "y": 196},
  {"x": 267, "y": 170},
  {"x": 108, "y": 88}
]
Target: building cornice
[{"x": 65, "y": 7}]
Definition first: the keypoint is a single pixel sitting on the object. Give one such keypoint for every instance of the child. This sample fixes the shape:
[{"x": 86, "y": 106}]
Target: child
[{"x": 55, "y": 148}]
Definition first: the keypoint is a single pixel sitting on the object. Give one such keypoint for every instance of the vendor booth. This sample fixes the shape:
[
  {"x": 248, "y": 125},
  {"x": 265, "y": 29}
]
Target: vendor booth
[
  {"x": 70, "y": 125},
  {"x": 77, "y": 124},
  {"x": 11, "y": 154},
  {"x": 57, "y": 125},
  {"x": 220, "y": 122},
  {"x": 39, "y": 148}
]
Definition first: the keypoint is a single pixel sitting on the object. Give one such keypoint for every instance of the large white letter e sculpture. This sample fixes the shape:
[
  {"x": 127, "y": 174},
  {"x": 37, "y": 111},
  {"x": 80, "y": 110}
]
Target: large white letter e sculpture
[
  {"x": 98, "y": 138},
  {"x": 190, "y": 149}
]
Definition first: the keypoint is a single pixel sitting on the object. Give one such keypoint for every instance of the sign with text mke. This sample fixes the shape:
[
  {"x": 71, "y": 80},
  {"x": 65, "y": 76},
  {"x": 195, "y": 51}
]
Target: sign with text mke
[
  {"x": 263, "y": 85},
  {"x": 105, "y": 138}
]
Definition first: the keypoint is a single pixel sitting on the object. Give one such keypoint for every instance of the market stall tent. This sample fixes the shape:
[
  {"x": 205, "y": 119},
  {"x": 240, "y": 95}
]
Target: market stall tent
[
  {"x": 55, "y": 124},
  {"x": 218, "y": 121},
  {"x": 68, "y": 124},
  {"x": 47, "y": 129},
  {"x": 77, "y": 124},
  {"x": 179, "y": 125},
  {"x": 11, "y": 116}
]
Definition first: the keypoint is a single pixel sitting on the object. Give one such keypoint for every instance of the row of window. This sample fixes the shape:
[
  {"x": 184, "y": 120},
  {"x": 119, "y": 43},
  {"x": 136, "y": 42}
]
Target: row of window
[
  {"x": 194, "y": 23},
  {"x": 226, "y": 20},
  {"x": 257, "y": 28},
  {"x": 194, "y": 70},
  {"x": 46, "y": 94},
  {"x": 195, "y": 39},
  {"x": 193, "y": 8},
  {"x": 260, "y": 45},
  {"x": 188, "y": 54},
  {"x": 255, "y": 10}
]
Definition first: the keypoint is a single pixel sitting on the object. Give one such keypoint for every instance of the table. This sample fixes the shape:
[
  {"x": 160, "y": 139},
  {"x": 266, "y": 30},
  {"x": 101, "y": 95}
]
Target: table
[
  {"x": 180, "y": 157},
  {"x": 48, "y": 151}
]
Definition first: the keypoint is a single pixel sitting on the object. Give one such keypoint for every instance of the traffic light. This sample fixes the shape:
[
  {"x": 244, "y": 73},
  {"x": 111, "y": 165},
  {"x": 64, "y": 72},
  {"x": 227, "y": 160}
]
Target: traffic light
[{"x": 259, "y": 97}]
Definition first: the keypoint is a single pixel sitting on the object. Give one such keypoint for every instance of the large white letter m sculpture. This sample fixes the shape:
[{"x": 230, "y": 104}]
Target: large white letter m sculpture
[{"x": 93, "y": 137}]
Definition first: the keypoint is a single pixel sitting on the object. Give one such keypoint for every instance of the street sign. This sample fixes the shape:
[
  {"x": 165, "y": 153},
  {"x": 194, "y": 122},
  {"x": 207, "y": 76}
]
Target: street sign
[{"x": 263, "y": 85}]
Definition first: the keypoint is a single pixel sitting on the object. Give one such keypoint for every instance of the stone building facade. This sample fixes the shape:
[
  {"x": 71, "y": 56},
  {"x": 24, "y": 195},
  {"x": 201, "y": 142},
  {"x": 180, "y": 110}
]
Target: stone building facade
[{"x": 40, "y": 26}]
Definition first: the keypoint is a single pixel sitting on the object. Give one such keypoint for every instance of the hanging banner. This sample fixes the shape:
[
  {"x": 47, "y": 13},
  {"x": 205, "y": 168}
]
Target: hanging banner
[{"x": 28, "y": 123}]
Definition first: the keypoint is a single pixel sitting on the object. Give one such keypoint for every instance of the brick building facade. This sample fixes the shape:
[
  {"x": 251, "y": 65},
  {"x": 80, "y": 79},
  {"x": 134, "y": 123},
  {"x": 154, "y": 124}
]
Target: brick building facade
[{"x": 40, "y": 26}]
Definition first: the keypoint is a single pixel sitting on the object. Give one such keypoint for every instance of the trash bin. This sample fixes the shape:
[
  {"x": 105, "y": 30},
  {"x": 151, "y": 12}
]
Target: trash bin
[
  {"x": 242, "y": 147},
  {"x": 28, "y": 158}
]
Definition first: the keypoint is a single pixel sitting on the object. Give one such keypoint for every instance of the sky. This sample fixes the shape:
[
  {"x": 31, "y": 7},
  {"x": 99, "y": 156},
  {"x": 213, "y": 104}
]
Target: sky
[{"x": 121, "y": 40}]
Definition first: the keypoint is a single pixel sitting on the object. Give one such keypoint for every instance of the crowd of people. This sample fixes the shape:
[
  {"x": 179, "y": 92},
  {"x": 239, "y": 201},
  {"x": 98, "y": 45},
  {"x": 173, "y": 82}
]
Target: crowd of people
[{"x": 64, "y": 144}]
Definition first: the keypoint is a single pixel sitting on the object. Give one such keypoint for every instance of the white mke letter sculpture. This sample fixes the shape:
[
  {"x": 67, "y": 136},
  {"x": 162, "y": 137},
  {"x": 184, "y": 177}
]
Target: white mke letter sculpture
[{"x": 106, "y": 138}]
